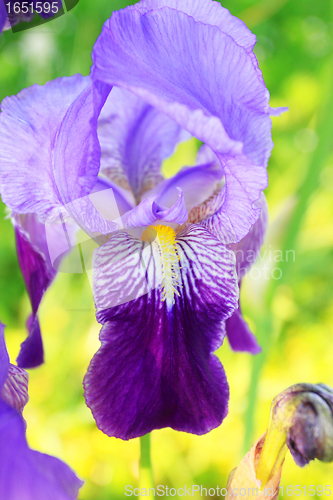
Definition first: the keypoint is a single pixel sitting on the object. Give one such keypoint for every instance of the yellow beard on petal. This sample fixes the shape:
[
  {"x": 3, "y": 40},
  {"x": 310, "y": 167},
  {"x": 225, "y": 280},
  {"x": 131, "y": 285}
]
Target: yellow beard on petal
[{"x": 165, "y": 239}]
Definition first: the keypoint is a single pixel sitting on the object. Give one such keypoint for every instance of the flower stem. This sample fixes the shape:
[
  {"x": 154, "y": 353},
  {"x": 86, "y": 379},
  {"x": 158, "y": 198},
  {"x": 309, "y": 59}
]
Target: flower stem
[{"x": 146, "y": 472}]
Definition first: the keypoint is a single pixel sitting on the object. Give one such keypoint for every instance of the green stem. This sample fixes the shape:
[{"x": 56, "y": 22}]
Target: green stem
[{"x": 146, "y": 471}]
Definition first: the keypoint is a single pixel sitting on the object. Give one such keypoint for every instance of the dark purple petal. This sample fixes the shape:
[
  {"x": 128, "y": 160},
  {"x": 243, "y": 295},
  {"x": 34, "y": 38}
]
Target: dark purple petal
[
  {"x": 32, "y": 351},
  {"x": 206, "y": 82},
  {"x": 135, "y": 138},
  {"x": 149, "y": 211},
  {"x": 155, "y": 367},
  {"x": 44, "y": 129},
  {"x": 25, "y": 473},
  {"x": 38, "y": 273},
  {"x": 239, "y": 334}
]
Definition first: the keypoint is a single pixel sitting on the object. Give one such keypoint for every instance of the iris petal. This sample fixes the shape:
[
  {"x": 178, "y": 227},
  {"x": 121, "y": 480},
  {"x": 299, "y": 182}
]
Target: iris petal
[
  {"x": 212, "y": 88},
  {"x": 135, "y": 138},
  {"x": 155, "y": 367},
  {"x": 34, "y": 250},
  {"x": 197, "y": 184}
]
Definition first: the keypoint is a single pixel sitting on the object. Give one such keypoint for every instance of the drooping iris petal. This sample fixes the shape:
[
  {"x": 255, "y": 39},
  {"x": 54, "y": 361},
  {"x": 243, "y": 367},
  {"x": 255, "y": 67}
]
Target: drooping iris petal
[
  {"x": 44, "y": 130},
  {"x": 155, "y": 367},
  {"x": 239, "y": 334},
  {"x": 247, "y": 251},
  {"x": 38, "y": 273},
  {"x": 198, "y": 75},
  {"x": 135, "y": 138},
  {"x": 150, "y": 211}
]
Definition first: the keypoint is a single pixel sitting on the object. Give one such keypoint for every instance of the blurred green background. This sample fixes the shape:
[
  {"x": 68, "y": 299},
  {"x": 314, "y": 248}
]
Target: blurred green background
[{"x": 292, "y": 316}]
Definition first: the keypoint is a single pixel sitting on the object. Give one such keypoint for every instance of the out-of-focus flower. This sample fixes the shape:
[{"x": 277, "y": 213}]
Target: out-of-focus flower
[
  {"x": 164, "y": 283},
  {"x": 301, "y": 421},
  {"x": 26, "y": 474}
]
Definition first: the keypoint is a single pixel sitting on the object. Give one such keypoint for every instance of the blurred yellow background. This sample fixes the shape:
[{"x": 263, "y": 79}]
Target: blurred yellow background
[{"x": 292, "y": 316}]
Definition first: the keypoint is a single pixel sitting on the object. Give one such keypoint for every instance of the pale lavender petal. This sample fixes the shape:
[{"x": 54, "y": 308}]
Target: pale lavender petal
[
  {"x": 135, "y": 138},
  {"x": 150, "y": 211},
  {"x": 44, "y": 130},
  {"x": 26, "y": 474},
  {"x": 212, "y": 88},
  {"x": 197, "y": 184},
  {"x": 155, "y": 367},
  {"x": 244, "y": 182},
  {"x": 123, "y": 198},
  {"x": 208, "y": 12}
]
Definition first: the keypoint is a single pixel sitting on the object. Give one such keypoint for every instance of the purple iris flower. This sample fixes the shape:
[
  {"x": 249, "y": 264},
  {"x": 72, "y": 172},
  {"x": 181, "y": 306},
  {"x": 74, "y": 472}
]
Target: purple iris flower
[
  {"x": 89, "y": 151},
  {"x": 25, "y": 473}
]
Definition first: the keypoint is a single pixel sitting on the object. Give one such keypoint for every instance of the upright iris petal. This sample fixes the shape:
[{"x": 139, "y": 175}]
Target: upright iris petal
[
  {"x": 25, "y": 473},
  {"x": 212, "y": 88},
  {"x": 164, "y": 279},
  {"x": 135, "y": 138}
]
